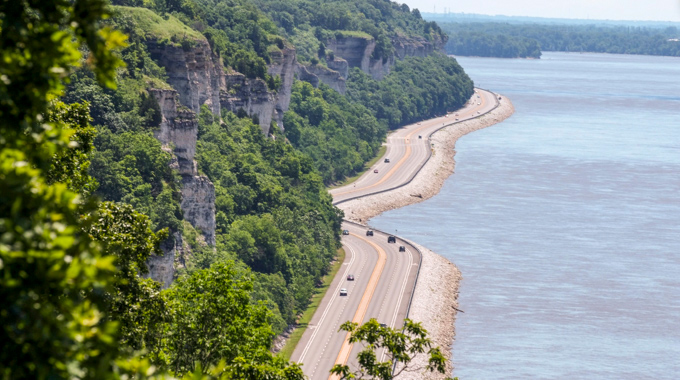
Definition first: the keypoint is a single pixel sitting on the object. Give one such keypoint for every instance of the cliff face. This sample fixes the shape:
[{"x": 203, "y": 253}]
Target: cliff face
[
  {"x": 178, "y": 134},
  {"x": 284, "y": 63},
  {"x": 415, "y": 47},
  {"x": 358, "y": 51},
  {"x": 316, "y": 74},
  {"x": 251, "y": 95},
  {"x": 193, "y": 71}
]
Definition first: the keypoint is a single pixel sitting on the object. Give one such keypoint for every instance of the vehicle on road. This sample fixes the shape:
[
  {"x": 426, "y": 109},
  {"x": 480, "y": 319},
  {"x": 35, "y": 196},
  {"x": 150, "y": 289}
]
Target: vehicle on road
[
  {"x": 387, "y": 160},
  {"x": 402, "y": 248},
  {"x": 420, "y": 137},
  {"x": 345, "y": 232},
  {"x": 369, "y": 233},
  {"x": 383, "y": 325},
  {"x": 375, "y": 171},
  {"x": 350, "y": 277},
  {"x": 391, "y": 239},
  {"x": 418, "y": 123},
  {"x": 343, "y": 292}
]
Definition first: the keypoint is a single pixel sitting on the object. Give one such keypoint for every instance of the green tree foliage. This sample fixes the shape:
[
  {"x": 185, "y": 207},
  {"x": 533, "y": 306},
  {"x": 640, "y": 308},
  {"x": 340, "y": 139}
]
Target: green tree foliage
[
  {"x": 212, "y": 319},
  {"x": 488, "y": 45},
  {"x": 134, "y": 302},
  {"x": 415, "y": 89},
  {"x": 131, "y": 167},
  {"x": 70, "y": 166},
  {"x": 272, "y": 212},
  {"x": 310, "y": 23},
  {"x": 401, "y": 346},
  {"x": 505, "y": 39},
  {"x": 339, "y": 135},
  {"x": 53, "y": 278}
]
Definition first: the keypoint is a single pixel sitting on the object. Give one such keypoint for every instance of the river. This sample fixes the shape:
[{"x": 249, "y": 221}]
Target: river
[{"x": 565, "y": 221}]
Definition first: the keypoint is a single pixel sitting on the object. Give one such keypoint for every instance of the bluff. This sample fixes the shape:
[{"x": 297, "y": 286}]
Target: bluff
[
  {"x": 177, "y": 134},
  {"x": 199, "y": 78},
  {"x": 358, "y": 51}
]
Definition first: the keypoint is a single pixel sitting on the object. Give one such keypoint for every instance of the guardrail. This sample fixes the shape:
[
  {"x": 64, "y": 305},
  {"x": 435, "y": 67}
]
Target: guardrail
[
  {"x": 420, "y": 262},
  {"x": 429, "y": 154}
]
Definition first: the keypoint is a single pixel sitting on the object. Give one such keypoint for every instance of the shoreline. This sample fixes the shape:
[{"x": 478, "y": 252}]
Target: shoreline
[{"x": 432, "y": 304}]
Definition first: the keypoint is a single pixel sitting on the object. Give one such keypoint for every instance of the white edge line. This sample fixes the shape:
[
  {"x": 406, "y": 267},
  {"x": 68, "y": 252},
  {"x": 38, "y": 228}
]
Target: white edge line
[
  {"x": 325, "y": 312},
  {"x": 401, "y": 294}
]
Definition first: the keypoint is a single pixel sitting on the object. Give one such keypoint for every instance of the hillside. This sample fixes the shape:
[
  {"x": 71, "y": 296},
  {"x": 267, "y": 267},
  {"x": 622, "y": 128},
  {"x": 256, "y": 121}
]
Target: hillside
[{"x": 209, "y": 159}]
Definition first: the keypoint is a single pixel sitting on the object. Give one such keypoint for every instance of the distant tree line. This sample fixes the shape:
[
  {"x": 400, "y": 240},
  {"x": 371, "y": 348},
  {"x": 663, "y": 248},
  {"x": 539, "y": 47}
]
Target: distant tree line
[{"x": 494, "y": 39}]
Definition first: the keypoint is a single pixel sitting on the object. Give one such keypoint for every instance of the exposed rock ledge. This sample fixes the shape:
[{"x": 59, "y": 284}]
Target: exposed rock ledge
[{"x": 436, "y": 295}]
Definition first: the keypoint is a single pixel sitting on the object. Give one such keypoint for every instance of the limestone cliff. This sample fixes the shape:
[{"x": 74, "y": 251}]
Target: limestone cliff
[
  {"x": 358, "y": 52},
  {"x": 284, "y": 63},
  {"x": 251, "y": 95},
  {"x": 316, "y": 74},
  {"x": 192, "y": 70},
  {"x": 178, "y": 134}
]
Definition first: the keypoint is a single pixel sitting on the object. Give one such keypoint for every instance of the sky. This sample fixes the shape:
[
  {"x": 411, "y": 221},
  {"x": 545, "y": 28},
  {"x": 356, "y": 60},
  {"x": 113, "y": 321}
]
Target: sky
[{"x": 654, "y": 10}]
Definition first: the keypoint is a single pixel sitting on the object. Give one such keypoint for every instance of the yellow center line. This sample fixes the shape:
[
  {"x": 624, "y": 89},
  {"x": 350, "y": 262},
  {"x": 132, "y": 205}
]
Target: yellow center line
[
  {"x": 406, "y": 156},
  {"x": 346, "y": 348}
]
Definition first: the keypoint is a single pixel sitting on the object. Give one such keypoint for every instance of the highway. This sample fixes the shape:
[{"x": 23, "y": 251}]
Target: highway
[{"x": 384, "y": 277}]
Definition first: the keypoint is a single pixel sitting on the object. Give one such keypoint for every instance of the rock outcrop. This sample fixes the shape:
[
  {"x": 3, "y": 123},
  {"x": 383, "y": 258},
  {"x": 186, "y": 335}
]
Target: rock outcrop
[
  {"x": 284, "y": 63},
  {"x": 193, "y": 70},
  {"x": 251, "y": 95},
  {"x": 178, "y": 134},
  {"x": 315, "y": 74},
  {"x": 198, "y": 205},
  {"x": 358, "y": 52},
  {"x": 162, "y": 268}
]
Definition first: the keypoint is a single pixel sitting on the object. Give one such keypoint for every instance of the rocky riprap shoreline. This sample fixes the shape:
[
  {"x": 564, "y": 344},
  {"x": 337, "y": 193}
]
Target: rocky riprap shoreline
[{"x": 435, "y": 301}]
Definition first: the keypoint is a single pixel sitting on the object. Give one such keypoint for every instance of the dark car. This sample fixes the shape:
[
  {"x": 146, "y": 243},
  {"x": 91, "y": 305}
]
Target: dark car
[
  {"x": 350, "y": 277},
  {"x": 383, "y": 325},
  {"x": 420, "y": 137},
  {"x": 402, "y": 248},
  {"x": 387, "y": 160},
  {"x": 391, "y": 239},
  {"x": 369, "y": 233},
  {"x": 375, "y": 171},
  {"x": 345, "y": 232}
]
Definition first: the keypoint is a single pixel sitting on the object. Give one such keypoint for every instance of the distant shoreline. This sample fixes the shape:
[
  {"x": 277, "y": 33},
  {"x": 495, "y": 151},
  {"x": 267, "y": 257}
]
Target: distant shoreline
[{"x": 435, "y": 298}]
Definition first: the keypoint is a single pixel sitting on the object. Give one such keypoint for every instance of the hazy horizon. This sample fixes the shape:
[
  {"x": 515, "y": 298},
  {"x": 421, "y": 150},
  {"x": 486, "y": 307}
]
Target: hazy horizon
[{"x": 630, "y": 10}]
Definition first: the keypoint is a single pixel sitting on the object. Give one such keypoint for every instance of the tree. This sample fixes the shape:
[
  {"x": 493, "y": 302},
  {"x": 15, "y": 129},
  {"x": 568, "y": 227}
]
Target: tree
[
  {"x": 401, "y": 346},
  {"x": 212, "y": 319},
  {"x": 52, "y": 277},
  {"x": 135, "y": 302}
]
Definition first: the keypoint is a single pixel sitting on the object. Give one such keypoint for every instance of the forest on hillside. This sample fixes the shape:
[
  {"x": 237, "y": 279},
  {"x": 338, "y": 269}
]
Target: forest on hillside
[
  {"x": 506, "y": 40},
  {"x": 89, "y": 193}
]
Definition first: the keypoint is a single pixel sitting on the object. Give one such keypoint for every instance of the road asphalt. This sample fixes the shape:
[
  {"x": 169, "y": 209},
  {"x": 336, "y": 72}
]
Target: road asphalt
[{"x": 384, "y": 278}]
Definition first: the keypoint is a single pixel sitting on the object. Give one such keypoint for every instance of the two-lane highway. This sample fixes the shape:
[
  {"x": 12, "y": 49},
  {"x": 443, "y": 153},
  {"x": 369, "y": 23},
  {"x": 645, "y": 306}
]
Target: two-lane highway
[{"x": 384, "y": 275}]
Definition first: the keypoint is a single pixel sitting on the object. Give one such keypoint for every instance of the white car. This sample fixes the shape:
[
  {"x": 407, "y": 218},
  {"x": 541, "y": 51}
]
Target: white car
[{"x": 343, "y": 292}]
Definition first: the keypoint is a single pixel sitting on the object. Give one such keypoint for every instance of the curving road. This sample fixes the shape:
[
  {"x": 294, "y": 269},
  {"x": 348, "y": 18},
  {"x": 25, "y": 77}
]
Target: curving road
[{"x": 384, "y": 277}]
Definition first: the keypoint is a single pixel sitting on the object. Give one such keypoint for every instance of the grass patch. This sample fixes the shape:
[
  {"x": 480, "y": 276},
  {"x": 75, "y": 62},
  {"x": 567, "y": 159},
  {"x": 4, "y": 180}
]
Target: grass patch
[
  {"x": 348, "y": 180},
  {"x": 161, "y": 28},
  {"x": 353, "y": 33},
  {"x": 287, "y": 350}
]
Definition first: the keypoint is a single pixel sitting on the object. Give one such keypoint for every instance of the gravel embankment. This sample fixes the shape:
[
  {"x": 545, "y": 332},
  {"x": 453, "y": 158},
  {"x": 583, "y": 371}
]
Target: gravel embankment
[{"x": 436, "y": 295}]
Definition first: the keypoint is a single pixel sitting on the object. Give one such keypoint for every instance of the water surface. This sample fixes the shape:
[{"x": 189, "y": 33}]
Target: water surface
[{"x": 565, "y": 221}]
